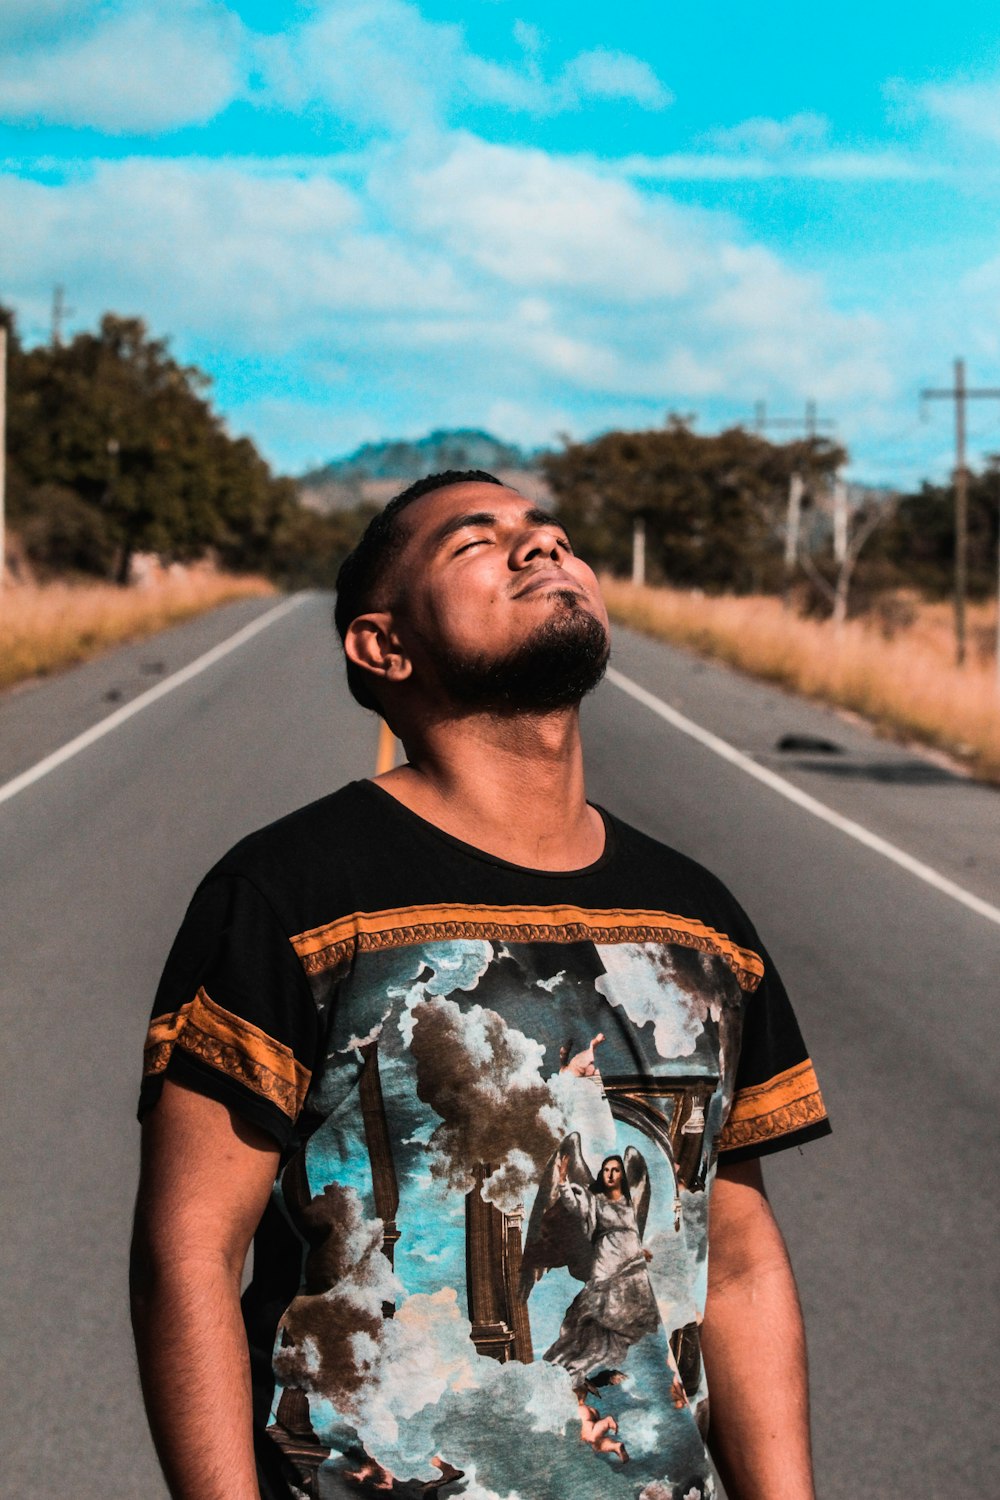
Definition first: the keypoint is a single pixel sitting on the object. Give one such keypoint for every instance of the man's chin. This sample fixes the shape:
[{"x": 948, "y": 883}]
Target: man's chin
[{"x": 558, "y": 664}]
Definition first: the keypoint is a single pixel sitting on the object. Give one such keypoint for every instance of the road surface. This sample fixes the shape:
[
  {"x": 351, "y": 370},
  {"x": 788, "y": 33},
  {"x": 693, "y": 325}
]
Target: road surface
[{"x": 892, "y": 1222}]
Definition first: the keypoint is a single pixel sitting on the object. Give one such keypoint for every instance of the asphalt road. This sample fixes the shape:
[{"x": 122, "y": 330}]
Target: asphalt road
[{"x": 892, "y": 1222}]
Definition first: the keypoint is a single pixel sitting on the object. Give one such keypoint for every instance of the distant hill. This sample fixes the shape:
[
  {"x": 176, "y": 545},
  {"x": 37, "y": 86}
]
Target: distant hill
[
  {"x": 375, "y": 471},
  {"x": 398, "y": 458}
]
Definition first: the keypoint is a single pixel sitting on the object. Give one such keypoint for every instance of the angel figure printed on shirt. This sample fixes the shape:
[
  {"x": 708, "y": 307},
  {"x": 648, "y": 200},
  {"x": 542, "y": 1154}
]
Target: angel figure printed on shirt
[{"x": 593, "y": 1225}]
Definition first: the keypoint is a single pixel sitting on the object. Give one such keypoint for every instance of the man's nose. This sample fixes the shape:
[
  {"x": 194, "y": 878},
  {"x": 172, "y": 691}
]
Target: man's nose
[{"x": 538, "y": 543}]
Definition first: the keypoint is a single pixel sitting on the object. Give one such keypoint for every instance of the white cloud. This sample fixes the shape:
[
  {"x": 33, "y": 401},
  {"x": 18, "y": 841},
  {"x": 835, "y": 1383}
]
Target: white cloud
[
  {"x": 259, "y": 261},
  {"x": 27, "y": 20},
  {"x": 630, "y": 294},
  {"x": 132, "y": 69},
  {"x": 133, "y": 66},
  {"x": 529, "y": 37},
  {"x": 444, "y": 281},
  {"x": 972, "y": 108},
  {"x": 374, "y": 62},
  {"x": 603, "y": 74},
  {"x": 772, "y": 136},
  {"x": 635, "y": 978},
  {"x": 537, "y": 221},
  {"x": 821, "y": 166},
  {"x": 427, "y": 1349},
  {"x": 382, "y": 64}
]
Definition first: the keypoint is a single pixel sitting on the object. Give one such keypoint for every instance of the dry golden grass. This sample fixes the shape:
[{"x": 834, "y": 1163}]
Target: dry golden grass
[
  {"x": 896, "y": 669},
  {"x": 46, "y": 627}
]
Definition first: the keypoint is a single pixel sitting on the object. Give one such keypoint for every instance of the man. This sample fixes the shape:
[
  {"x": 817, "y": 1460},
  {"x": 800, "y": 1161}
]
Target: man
[{"x": 362, "y": 1058}]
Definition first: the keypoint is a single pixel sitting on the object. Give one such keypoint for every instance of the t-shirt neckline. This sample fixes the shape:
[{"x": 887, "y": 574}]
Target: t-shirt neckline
[{"x": 470, "y": 850}]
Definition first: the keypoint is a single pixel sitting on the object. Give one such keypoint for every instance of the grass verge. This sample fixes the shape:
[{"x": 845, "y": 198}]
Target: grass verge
[
  {"x": 897, "y": 673},
  {"x": 46, "y": 627}
]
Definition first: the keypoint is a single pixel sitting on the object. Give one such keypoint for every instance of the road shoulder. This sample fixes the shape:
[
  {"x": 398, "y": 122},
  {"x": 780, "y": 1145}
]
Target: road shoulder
[
  {"x": 39, "y": 717},
  {"x": 908, "y": 796}
]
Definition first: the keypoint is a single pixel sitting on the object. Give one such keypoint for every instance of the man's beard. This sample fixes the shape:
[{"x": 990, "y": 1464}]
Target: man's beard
[{"x": 556, "y": 666}]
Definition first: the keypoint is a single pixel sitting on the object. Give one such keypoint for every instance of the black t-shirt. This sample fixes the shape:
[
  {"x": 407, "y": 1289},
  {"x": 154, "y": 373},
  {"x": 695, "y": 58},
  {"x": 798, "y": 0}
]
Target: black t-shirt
[{"x": 500, "y": 1095}]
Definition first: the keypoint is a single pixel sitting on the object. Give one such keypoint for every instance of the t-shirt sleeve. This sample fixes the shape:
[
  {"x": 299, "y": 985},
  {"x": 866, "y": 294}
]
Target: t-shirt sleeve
[
  {"x": 233, "y": 1016},
  {"x": 776, "y": 1097}
]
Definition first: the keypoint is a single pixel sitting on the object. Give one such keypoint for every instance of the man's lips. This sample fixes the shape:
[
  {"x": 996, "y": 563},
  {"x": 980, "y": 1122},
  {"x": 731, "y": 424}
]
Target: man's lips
[{"x": 550, "y": 578}]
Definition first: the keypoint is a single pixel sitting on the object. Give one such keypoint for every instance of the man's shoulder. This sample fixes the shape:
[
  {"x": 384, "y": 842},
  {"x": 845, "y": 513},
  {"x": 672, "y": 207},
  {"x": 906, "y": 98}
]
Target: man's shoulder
[
  {"x": 279, "y": 856},
  {"x": 672, "y": 879}
]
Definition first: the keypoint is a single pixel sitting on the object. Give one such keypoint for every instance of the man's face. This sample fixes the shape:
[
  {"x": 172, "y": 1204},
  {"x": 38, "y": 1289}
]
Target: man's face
[{"x": 493, "y": 601}]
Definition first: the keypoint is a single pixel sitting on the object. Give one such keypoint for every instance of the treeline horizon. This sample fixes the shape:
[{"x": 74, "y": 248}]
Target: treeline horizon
[{"x": 114, "y": 448}]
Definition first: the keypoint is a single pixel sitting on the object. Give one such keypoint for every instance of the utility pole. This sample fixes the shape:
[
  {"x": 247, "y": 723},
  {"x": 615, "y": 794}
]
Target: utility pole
[
  {"x": 796, "y": 487},
  {"x": 839, "y": 521},
  {"x": 638, "y": 552},
  {"x": 60, "y": 312},
  {"x": 3, "y": 449},
  {"x": 960, "y": 393}
]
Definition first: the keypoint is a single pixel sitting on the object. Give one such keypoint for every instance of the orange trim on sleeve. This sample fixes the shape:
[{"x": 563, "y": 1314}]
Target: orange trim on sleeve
[
  {"x": 788, "y": 1101},
  {"x": 325, "y": 947},
  {"x": 232, "y": 1046}
]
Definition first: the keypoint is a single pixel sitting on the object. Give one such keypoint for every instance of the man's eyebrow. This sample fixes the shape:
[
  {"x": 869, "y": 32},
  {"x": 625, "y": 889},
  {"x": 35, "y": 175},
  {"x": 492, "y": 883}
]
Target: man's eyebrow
[
  {"x": 458, "y": 523},
  {"x": 533, "y": 517},
  {"x": 542, "y": 518}
]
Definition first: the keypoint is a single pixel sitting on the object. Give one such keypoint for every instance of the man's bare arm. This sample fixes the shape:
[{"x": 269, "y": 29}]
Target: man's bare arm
[
  {"x": 754, "y": 1347},
  {"x": 205, "y": 1180}
]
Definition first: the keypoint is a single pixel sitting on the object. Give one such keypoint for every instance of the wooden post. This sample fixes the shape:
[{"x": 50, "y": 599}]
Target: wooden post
[
  {"x": 839, "y": 521},
  {"x": 792, "y": 519},
  {"x": 638, "y": 552}
]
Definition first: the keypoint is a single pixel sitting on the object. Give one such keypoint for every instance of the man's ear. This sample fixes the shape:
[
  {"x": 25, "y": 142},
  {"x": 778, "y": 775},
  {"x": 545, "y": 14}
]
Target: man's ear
[{"x": 371, "y": 642}]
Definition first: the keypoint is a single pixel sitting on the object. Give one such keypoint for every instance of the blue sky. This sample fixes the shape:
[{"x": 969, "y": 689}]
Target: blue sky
[{"x": 368, "y": 218}]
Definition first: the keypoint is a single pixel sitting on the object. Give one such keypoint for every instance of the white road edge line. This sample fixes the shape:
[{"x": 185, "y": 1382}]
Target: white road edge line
[
  {"x": 802, "y": 799},
  {"x": 177, "y": 679}
]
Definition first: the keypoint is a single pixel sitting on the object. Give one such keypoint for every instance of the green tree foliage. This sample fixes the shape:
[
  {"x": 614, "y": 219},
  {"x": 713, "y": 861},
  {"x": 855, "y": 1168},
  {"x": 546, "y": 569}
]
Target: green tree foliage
[
  {"x": 308, "y": 548},
  {"x": 919, "y": 544},
  {"x": 114, "y": 448},
  {"x": 713, "y": 506}
]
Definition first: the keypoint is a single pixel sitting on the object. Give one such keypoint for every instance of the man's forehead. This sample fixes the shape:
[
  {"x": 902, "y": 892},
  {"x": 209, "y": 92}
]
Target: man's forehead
[
  {"x": 454, "y": 499},
  {"x": 429, "y": 521}
]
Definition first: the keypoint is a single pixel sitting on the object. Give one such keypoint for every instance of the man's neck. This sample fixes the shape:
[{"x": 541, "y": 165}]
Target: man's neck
[{"x": 512, "y": 786}]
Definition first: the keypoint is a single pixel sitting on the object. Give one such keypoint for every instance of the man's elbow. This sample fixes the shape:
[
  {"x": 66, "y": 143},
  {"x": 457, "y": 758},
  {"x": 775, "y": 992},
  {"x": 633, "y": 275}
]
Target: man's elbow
[
  {"x": 749, "y": 1255},
  {"x": 143, "y": 1277},
  {"x": 157, "y": 1266}
]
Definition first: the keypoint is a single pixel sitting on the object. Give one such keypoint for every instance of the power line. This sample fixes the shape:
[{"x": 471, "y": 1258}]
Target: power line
[
  {"x": 810, "y": 422},
  {"x": 960, "y": 393}
]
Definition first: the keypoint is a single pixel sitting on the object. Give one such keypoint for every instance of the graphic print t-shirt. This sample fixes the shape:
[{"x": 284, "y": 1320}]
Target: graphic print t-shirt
[{"x": 500, "y": 1096}]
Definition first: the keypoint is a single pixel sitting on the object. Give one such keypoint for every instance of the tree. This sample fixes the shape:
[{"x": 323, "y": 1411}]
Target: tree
[
  {"x": 919, "y": 543},
  {"x": 713, "y": 506},
  {"x": 114, "y": 420},
  {"x": 832, "y": 570}
]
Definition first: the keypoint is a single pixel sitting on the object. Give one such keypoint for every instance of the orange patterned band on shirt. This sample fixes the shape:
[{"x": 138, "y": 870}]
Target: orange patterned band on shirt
[
  {"x": 325, "y": 947},
  {"x": 788, "y": 1101},
  {"x": 232, "y": 1046}
]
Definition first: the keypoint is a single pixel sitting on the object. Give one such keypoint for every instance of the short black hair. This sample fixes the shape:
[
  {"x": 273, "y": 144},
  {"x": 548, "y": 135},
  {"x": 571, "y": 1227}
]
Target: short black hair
[{"x": 363, "y": 570}]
